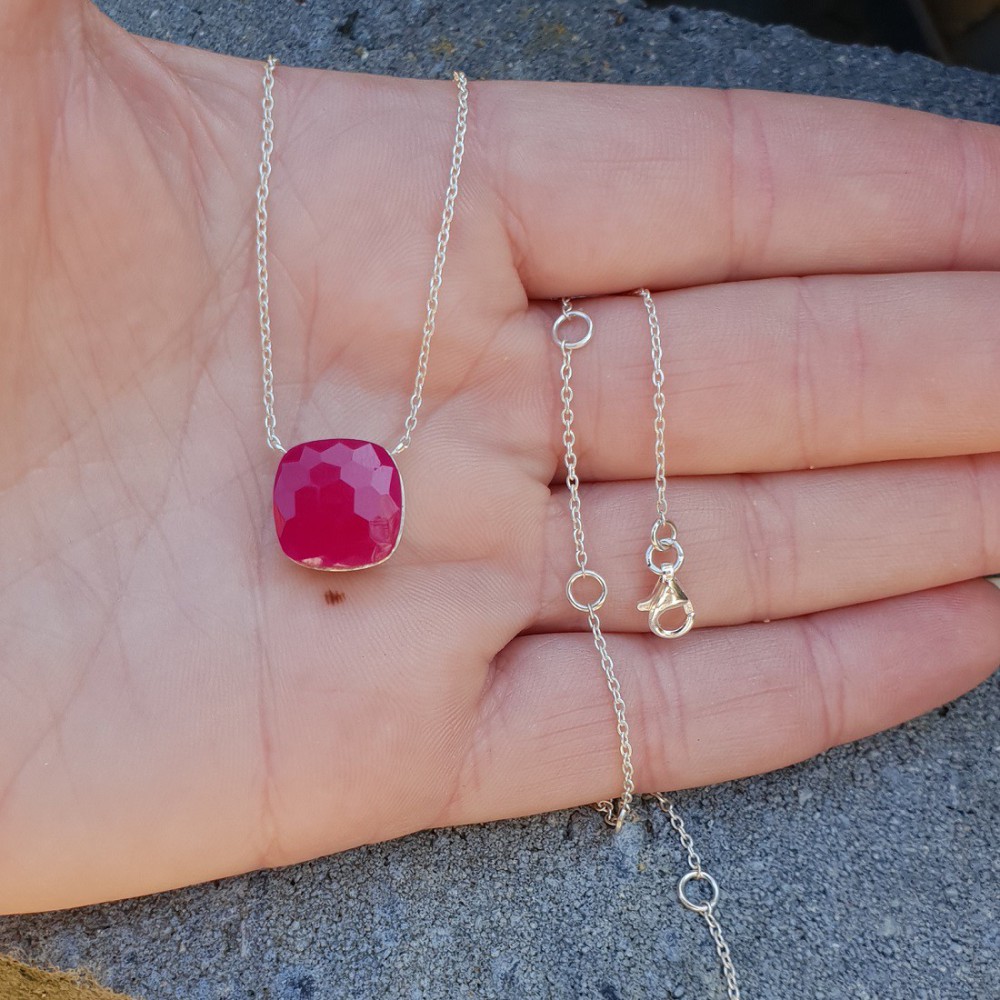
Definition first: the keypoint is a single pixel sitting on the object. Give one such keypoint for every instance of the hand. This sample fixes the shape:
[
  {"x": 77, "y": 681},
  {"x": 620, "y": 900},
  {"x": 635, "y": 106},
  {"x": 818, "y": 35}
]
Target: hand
[{"x": 179, "y": 702}]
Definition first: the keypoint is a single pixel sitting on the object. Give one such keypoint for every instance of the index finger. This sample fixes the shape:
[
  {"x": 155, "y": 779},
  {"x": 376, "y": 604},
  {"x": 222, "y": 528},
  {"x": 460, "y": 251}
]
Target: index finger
[{"x": 608, "y": 188}]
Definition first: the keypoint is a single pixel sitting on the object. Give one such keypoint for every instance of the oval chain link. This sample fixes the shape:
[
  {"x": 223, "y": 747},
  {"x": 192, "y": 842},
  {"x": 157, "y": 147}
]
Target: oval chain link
[
  {"x": 437, "y": 274},
  {"x": 616, "y": 811}
]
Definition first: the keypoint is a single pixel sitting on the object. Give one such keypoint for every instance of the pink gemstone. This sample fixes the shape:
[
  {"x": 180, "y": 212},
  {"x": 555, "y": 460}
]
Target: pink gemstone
[{"x": 338, "y": 504}]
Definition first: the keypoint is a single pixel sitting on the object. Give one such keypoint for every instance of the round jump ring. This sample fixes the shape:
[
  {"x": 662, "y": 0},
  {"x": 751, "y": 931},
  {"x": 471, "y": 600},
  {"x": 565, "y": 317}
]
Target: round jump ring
[
  {"x": 666, "y": 567},
  {"x": 662, "y": 544},
  {"x": 587, "y": 574},
  {"x": 688, "y": 904},
  {"x": 572, "y": 345}
]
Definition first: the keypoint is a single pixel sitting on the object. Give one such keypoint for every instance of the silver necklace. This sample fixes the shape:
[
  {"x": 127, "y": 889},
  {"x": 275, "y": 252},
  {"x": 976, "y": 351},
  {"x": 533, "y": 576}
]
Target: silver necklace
[
  {"x": 338, "y": 502},
  {"x": 317, "y": 483},
  {"x": 615, "y": 812}
]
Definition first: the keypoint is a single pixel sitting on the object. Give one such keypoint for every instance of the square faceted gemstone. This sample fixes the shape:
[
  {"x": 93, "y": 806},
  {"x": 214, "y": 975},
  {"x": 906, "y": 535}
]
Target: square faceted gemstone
[{"x": 338, "y": 504}]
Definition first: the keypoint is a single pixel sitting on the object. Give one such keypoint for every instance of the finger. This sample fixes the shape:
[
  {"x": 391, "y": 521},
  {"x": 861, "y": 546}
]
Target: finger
[
  {"x": 25, "y": 24},
  {"x": 785, "y": 374},
  {"x": 721, "y": 704},
  {"x": 607, "y": 188},
  {"x": 777, "y": 545}
]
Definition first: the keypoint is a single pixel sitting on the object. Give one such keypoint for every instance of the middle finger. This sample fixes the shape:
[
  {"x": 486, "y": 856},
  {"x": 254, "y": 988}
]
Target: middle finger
[{"x": 788, "y": 373}]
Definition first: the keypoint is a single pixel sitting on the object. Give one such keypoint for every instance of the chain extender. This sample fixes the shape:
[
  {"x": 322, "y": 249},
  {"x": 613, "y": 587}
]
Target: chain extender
[{"x": 615, "y": 812}]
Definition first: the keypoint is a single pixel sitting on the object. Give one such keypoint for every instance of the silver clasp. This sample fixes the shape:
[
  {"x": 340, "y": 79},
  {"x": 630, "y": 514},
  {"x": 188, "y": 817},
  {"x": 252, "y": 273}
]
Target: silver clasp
[
  {"x": 666, "y": 596},
  {"x": 667, "y": 593}
]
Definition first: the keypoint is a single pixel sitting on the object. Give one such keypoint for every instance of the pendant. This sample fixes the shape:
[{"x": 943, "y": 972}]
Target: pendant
[{"x": 338, "y": 504}]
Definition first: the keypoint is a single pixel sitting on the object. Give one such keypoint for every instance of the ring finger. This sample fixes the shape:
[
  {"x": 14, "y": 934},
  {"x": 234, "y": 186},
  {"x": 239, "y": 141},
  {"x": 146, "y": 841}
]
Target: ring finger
[{"x": 781, "y": 544}]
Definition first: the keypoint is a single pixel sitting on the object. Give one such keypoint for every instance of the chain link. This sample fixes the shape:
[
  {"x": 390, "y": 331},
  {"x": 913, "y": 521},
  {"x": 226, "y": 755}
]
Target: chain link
[
  {"x": 444, "y": 234},
  {"x": 616, "y": 811}
]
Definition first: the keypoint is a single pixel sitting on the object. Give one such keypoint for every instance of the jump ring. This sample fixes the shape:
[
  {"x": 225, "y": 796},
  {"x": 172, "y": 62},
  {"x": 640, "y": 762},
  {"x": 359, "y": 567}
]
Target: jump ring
[
  {"x": 666, "y": 567},
  {"x": 698, "y": 876},
  {"x": 587, "y": 574},
  {"x": 662, "y": 544},
  {"x": 572, "y": 345}
]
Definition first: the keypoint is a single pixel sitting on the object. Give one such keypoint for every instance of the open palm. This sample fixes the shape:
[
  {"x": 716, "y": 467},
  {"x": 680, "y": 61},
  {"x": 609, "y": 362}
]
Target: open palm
[{"x": 179, "y": 702}]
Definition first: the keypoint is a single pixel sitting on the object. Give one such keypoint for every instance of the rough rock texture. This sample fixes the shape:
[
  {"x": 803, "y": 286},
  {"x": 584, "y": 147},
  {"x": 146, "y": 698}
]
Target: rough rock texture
[{"x": 871, "y": 872}]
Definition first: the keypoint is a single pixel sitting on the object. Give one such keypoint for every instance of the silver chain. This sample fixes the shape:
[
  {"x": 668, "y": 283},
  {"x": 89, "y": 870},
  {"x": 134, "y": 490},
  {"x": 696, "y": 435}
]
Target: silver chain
[
  {"x": 263, "y": 302},
  {"x": 667, "y": 596},
  {"x": 659, "y": 422},
  {"x": 444, "y": 234},
  {"x": 616, "y": 811}
]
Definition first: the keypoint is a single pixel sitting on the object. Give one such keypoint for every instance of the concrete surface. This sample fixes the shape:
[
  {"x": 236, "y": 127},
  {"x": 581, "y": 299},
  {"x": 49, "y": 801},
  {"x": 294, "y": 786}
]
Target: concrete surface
[{"x": 871, "y": 872}]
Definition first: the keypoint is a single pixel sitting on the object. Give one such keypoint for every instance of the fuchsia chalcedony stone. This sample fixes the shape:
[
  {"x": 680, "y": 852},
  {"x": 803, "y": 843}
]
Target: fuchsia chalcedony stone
[{"x": 338, "y": 504}]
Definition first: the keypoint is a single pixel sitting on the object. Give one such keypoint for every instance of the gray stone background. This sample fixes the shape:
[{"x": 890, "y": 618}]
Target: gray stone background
[{"x": 870, "y": 872}]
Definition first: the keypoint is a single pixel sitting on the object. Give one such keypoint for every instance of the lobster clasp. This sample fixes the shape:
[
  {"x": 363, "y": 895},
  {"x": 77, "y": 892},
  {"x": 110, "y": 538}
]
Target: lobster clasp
[{"x": 666, "y": 596}]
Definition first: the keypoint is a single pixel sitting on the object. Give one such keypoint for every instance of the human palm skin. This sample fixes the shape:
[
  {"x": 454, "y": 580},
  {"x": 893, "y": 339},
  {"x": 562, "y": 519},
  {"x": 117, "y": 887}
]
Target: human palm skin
[{"x": 178, "y": 702}]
